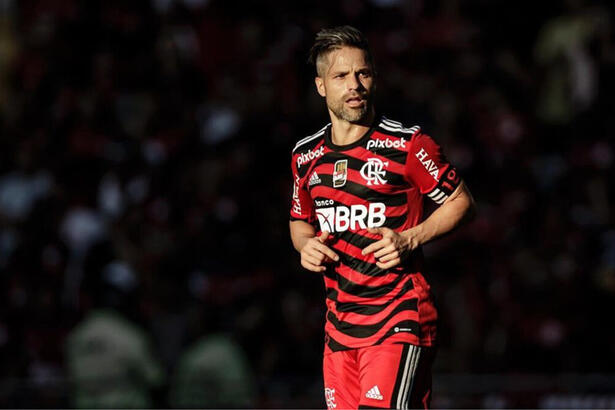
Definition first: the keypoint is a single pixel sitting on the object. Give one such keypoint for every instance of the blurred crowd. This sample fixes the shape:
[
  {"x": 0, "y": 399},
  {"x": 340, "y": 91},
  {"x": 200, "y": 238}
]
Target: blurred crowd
[{"x": 145, "y": 189}]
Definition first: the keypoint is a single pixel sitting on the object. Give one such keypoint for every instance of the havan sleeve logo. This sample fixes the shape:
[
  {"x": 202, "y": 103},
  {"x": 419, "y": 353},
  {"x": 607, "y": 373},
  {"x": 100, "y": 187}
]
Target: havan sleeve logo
[
  {"x": 428, "y": 163},
  {"x": 296, "y": 201}
]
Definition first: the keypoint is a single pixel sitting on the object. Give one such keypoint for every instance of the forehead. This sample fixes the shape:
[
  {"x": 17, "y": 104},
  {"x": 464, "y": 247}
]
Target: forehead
[{"x": 345, "y": 58}]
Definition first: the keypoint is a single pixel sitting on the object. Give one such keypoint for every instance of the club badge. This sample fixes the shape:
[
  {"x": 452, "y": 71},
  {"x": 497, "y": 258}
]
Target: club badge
[
  {"x": 340, "y": 173},
  {"x": 374, "y": 170}
]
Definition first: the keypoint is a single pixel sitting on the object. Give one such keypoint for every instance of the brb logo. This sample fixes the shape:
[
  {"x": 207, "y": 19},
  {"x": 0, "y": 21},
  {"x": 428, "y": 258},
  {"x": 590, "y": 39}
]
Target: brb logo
[
  {"x": 306, "y": 157},
  {"x": 342, "y": 218},
  {"x": 373, "y": 171},
  {"x": 386, "y": 143}
]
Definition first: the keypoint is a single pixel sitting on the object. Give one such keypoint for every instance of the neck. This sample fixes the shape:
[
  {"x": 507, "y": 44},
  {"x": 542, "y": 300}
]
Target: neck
[{"x": 346, "y": 133}]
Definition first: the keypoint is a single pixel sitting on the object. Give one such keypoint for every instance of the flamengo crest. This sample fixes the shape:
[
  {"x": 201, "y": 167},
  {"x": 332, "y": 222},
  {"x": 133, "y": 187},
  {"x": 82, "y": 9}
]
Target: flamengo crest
[
  {"x": 373, "y": 171},
  {"x": 330, "y": 398}
]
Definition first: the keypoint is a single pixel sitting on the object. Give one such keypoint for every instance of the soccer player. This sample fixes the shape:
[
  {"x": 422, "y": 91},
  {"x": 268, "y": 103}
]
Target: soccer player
[{"x": 356, "y": 210}]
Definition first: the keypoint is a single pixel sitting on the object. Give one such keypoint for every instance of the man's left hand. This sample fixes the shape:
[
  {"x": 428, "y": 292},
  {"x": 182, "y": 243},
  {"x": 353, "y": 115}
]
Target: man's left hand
[{"x": 392, "y": 248}]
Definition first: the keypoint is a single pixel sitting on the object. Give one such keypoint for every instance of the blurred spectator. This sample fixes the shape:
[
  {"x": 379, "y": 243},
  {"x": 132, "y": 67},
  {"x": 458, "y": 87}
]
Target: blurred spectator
[
  {"x": 213, "y": 373},
  {"x": 109, "y": 359}
]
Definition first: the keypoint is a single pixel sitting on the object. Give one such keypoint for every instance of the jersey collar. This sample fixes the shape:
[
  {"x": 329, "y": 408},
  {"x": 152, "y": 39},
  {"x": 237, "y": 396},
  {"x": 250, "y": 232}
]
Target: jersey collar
[{"x": 334, "y": 147}]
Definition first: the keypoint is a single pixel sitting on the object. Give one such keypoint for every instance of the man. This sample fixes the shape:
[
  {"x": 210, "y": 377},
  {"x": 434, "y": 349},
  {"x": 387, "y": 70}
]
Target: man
[
  {"x": 109, "y": 360},
  {"x": 356, "y": 214}
]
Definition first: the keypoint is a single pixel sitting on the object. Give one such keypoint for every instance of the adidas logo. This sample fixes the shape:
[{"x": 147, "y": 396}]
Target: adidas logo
[
  {"x": 314, "y": 179},
  {"x": 374, "y": 393}
]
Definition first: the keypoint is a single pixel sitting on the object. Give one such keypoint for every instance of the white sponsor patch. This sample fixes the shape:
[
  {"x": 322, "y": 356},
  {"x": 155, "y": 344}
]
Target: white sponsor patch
[
  {"x": 386, "y": 143},
  {"x": 402, "y": 329},
  {"x": 342, "y": 218},
  {"x": 306, "y": 157},
  {"x": 428, "y": 163}
]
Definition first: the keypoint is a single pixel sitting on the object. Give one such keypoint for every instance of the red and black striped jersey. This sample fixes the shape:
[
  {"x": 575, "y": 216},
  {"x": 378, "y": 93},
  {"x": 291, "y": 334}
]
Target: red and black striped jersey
[{"x": 379, "y": 180}]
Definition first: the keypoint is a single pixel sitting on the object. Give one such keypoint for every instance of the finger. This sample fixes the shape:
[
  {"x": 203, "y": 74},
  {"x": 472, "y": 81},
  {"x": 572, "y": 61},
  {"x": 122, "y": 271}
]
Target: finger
[
  {"x": 389, "y": 257},
  {"x": 383, "y": 230},
  {"x": 375, "y": 231},
  {"x": 388, "y": 265},
  {"x": 323, "y": 236},
  {"x": 374, "y": 247},
  {"x": 314, "y": 260},
  {"x": 318, "y": 255},
  {"x": 312, "y": 267},
  {"x": 327, "y": 252},
  {"x": 384, "y": 251}
]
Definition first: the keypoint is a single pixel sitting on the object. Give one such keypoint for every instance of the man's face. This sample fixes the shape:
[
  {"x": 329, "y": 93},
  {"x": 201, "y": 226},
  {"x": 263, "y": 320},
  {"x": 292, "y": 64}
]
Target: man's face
[{"x": 346, "y": 81}]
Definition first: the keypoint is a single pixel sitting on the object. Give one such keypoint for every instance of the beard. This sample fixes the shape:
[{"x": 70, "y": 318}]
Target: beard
[{"x": 354, "y": 115}]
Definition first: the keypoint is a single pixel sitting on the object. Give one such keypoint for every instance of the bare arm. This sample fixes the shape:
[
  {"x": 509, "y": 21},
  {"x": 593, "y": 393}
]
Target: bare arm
[
  {"x": 313, "y": 250},
  {"x": 459, "y": 208}
]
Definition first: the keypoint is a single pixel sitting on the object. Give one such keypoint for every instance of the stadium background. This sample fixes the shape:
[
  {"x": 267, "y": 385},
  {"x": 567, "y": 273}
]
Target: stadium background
[{"x": 145, "y": 150}]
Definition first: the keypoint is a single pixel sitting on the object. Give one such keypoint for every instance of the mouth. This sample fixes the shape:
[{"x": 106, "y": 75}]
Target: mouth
[{"x": 355, "y": 101}]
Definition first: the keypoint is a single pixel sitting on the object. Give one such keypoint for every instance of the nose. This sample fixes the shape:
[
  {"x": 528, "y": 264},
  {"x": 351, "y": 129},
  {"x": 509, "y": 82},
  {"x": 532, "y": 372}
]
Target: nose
[{"x": 353, "y": 82}]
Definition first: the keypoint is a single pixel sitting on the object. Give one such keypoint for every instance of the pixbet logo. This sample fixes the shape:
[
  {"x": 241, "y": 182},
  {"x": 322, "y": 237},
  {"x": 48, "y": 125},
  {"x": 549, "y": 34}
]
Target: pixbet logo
[
  {"x": 306, "y": 157},
  {"x": 343, "y": 218},
  {"x": 373, "y": 171},
  {"x": 386, "y": 143}
]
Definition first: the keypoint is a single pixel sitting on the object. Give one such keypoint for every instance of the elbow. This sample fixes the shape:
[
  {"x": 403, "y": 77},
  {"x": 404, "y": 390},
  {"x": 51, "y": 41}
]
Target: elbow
[{"x": 470, "y": 211}]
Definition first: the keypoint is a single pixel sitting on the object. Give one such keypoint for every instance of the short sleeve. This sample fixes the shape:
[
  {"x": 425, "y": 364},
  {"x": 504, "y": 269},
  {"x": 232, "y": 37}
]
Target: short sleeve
[
  {"x": 302, "y": 207},
  {"x": 428, "y": 169}
]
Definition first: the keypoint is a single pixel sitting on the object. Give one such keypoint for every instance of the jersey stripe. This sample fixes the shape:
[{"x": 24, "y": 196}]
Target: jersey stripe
[
  {"x": 395, "y": 288},
  {"x": 367, "y": 330},
  {"x": 310, "y": 137},
  {"x": 357, "y": 289},
  {"x": 361, "y": 194},
  {"x": 363, "y": 308},
  {"x": 358, "y": 319},
  {"x": 397, "y": 126},
  {"x": 413, "y": 325},
  {"x": 395, "y": 170},
  {"x": 365, "y": 268},
  {"x": 385, "y": 331},
  {"x": 334, "y": 344}
]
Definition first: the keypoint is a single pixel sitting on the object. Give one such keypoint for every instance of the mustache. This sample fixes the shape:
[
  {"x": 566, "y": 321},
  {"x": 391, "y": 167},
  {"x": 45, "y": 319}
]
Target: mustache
[{"x": 362, "y": 95}]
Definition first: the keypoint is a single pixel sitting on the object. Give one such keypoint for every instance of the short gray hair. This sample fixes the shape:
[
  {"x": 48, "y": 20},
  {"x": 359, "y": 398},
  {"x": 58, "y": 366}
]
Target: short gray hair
[{"x": 331, "y": 39}]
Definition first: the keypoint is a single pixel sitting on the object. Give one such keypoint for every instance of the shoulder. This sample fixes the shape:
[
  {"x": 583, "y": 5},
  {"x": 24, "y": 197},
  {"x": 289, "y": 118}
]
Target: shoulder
[
  {"x": 311, "y": 141},
  {"x": 392, "y": 136},
  {"x": 394, "y": 128}
]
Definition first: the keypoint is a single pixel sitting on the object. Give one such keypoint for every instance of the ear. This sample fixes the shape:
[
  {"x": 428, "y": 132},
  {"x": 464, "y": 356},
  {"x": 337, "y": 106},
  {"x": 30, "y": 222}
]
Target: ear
[{"x": 320, "y": 86}]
